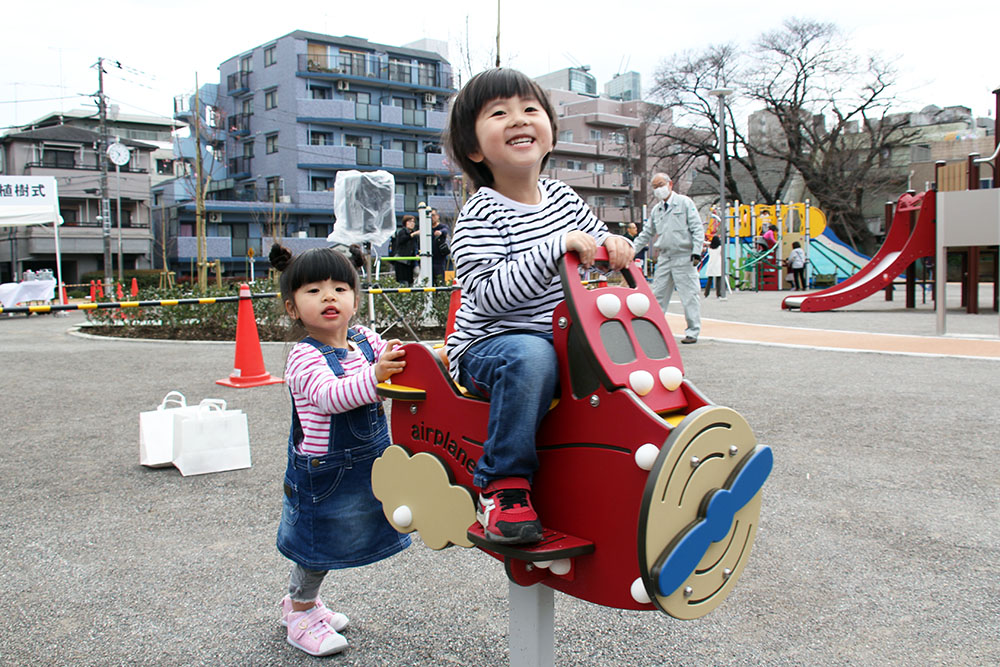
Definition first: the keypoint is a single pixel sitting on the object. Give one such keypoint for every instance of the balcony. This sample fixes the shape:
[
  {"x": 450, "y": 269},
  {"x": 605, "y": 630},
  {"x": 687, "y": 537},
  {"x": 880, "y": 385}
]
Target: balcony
[
  {"x": 238, "y": 83},
  {"x": 239, "y": 124},
  {"x": 369, "y": 157},
  {"x": 395, "y": 74},
  {"x": 239, "y": 167}
]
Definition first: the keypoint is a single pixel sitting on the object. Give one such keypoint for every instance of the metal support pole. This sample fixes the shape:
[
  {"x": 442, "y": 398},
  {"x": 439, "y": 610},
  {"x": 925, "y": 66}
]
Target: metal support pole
[
  {"x": 532, "y": 618},
  {"x": 721, "y": 93},
  {"x": 102, "y": 161},
  {"x": 118, "y": 197}
]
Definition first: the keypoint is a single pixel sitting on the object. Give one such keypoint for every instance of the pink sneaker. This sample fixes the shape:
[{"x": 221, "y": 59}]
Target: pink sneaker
[
  {"x": 310, "y": 632},
  {"x": 336, "y": 620}
]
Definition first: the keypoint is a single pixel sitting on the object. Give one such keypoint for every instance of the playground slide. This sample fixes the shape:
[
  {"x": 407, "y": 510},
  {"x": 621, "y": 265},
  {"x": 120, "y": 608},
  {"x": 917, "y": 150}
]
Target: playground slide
[{"x": 901, "y": 248}]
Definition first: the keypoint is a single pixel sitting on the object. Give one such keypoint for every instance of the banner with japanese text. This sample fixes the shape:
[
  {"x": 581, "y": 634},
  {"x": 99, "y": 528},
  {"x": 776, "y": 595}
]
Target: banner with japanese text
[{"x": 28, "y": 200}]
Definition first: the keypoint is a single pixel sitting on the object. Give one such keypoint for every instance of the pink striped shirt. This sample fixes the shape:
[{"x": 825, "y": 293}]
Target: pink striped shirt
[{"x": 318, "y": 393}]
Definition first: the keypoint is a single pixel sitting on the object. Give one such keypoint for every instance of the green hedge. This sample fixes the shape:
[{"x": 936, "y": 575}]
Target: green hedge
[
  {"x": 218, "y": 321},
  {"x": 145, "y": 278}
]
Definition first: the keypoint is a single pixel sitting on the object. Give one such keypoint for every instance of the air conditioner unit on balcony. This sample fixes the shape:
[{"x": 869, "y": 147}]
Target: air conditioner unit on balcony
[
  {"x": 214, "y": 216},
  {"x": 343, "y": 85},
  {"x": 431, "y": 180},
  {"x": 285, "y": 199},
  {"x": 430, "y": 98}
]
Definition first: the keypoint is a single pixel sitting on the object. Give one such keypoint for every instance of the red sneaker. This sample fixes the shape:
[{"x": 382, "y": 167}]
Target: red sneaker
[{"x": 506, "y": 514}]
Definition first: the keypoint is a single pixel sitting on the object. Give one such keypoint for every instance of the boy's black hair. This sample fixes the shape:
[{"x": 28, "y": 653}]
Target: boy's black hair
[
  {"x": 311, "y": 266},
  {"x": 715, "y": 242},
  {"x": 492, "y": 84},
  {"x": 796, "y": 244}
]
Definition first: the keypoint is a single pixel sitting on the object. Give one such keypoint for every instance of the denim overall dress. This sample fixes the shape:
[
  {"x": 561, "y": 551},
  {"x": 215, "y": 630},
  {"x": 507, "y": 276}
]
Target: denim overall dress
[{"x": 330, "y": 519}]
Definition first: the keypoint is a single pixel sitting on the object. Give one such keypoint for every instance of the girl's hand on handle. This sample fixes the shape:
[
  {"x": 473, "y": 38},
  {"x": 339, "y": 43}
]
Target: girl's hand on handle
[
  {"x": 391, "y": 361},
  {"x": 620, "y": 251},
  {"x": 584, "y": 245}
]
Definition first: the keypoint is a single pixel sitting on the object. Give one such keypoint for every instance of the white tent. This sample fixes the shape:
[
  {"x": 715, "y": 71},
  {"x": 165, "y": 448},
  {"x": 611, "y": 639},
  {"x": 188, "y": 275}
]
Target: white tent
[{"x": 32, "y": 200}]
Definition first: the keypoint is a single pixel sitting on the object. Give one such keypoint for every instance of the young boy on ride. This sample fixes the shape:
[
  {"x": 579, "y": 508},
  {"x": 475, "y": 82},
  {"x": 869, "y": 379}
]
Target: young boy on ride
[
  {"x": 330, "y": 518},
  {"x": 507, "y": 243}
]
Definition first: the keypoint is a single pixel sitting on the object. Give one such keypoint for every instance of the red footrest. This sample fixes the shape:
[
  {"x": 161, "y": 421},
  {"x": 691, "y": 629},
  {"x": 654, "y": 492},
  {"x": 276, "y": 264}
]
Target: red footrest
[{"x": 553, "y": 545}]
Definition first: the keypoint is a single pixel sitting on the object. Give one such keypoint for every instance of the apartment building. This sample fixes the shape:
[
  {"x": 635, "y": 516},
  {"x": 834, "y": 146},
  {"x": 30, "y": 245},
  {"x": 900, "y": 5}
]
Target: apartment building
[
  {"x": 62, "y": 146},
  {"x": 600, "y": 154},
  {"x": 285, "y": 117}
]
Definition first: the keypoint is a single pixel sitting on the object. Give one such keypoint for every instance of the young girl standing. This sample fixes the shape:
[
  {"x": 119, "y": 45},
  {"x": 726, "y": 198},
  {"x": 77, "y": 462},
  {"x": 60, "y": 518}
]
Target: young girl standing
[{"x": 330, "y": 519}]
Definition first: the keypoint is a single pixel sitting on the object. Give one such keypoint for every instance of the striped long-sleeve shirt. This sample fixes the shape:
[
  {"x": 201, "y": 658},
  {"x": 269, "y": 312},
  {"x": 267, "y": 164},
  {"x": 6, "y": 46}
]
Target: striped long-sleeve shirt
[
  {"x": 318, "y": 393},
  {"x": 506, "y": 259}
]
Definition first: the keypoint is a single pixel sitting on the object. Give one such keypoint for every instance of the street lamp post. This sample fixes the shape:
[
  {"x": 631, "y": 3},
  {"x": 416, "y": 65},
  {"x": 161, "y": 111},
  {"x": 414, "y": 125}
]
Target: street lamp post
[{"x": 722, "y": 94}]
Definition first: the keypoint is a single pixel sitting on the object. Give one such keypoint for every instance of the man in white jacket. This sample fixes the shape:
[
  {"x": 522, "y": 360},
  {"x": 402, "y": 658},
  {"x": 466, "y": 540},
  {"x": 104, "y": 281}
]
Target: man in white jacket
[{"x": 676, "y": 231}]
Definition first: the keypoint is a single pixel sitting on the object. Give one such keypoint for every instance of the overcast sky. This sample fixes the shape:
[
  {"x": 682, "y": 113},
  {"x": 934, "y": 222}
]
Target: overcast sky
[{"x": 946, "y": 51}]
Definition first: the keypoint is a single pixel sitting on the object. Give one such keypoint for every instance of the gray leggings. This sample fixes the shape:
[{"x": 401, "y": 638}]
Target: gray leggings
[{"x": 303, "y": 584}]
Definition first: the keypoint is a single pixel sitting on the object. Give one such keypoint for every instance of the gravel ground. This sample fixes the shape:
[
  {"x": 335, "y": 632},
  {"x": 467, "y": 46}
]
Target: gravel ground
[{"x": 878, "y": 541}]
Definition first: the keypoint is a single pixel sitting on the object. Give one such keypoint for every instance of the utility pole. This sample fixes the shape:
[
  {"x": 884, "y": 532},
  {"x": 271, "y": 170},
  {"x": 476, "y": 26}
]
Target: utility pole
[
  {"x": 199, "y": 195},
  {"x": 628, "y": 172},
  {"x": 498, "y": 33},
  {"x": 102, "y": 160}
]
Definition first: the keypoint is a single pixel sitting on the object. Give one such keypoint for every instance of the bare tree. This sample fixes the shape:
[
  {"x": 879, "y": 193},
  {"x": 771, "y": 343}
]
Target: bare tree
[{"x": 824, "y": 116}]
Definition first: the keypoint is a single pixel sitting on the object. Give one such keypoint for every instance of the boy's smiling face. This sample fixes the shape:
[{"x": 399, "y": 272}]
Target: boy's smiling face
[{"x": 514, "y": 136}]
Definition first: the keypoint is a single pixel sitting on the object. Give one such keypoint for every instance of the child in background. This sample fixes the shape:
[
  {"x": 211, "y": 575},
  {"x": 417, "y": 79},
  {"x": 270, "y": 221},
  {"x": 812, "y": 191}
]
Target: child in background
[
  {"x": 330, "y": 518},
  {"x": 713, "y": 266},
  {"x": 507, "y": 243},
  {"x": 797, "y": 266}
]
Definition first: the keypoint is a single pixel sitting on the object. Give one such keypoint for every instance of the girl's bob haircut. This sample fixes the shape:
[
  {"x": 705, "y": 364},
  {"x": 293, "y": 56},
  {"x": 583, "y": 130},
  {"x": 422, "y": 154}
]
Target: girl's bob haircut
[
  {"x": 481, "y": 89},
  {"x": 312, "y": 266}
]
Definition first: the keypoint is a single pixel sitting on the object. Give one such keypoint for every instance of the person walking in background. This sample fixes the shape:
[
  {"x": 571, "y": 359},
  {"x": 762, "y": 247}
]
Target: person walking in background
[
  {"x": 797, "y": 266},
  {"x": 405, "y": 246},
  {"x": 330, "y": 518},
  {"x": 675, "y": 224},
  {"x": 713, "y": 267},
  {"x": 440, "y": 251}
]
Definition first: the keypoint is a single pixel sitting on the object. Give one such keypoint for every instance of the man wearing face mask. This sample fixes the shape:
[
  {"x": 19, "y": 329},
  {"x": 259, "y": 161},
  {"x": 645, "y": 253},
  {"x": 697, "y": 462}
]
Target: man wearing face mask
[{"x": 676, "y": 231}]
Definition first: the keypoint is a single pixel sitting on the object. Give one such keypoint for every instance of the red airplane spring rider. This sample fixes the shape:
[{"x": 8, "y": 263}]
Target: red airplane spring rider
[{"x": 676, "y": 479}]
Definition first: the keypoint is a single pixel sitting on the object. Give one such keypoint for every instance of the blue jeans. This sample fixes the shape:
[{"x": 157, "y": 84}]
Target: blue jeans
[{"x": 519, "y": 374}]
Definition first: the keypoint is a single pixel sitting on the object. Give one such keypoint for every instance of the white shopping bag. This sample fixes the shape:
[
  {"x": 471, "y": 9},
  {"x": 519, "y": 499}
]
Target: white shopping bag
[
  {"x": 210, "y": 439},
  {"x": 156, "y": 429}
]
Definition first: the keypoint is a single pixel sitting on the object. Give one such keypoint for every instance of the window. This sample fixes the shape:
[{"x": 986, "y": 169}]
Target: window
[
  {"x": 426, "y": 74},
  {"x": 64, "y": 159},
  {"x": 271, "y": 143},
  {"x": 186, "y": 229},
  {"x": 246, "y": 64},
  {"x": 404, "y": 102},
  {"x": 246, "y": 106},
  {"x": 321, "y": 92},
  {"x": 358, "y": 141},
  {"x": 595, "y": 135},
  {"x": 399, "y": 70},
  {"x": 68, "y": 215},
  {"x": 575, "y": 165},
  {"x": 164, "y": 167},
  {"x": 409, "y": 192},
  {"x": 273, "y": 188},
  {"x": 319, "y": 231},
  {"x": 618, "y": 137},
  {"x": 566, "y": 135},
  {"x": 321, "y": 183},
  {"x": 317, "y": 138},
  {"x": 358, "y": 98},
  {"x": 597, "y": 167},
  {"x": 248, "y": 148},
  {"x": 270, "y": 56},
  {"x": 271, "y": 98}
]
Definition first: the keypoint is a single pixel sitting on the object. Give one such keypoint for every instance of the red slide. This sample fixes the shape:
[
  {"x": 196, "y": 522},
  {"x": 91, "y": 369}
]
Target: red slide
[{"x": 901, "y": 248}]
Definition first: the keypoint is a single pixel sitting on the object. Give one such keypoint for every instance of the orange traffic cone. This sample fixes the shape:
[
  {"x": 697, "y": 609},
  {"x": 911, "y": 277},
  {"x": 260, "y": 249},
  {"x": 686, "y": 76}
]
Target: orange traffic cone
[
  {"x": 93, "y": 291},
  {"x": 121, "y": 295},
  {"x": 100, "y": 290},
  {"x": 65, "y": 298},
  {"x": 248, "y": 367},
  {"x": 134, "y": 290}
]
